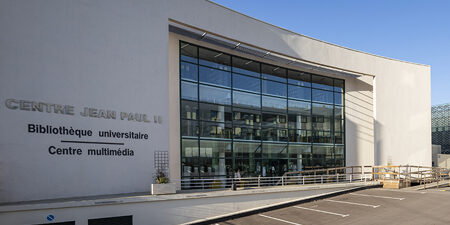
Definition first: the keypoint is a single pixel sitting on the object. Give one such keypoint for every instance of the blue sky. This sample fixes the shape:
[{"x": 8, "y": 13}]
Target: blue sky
[{"x": 411, "y": 30}]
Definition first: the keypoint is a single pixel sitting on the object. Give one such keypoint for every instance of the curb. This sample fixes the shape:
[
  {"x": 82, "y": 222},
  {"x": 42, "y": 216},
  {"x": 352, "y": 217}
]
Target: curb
[{"x": 248, "y": 212}]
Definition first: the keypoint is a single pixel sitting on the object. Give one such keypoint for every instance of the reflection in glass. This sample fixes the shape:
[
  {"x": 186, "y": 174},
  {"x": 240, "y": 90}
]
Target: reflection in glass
[
  {"x": 274, "y": 88},
  {"x": 322, "y": 137},
  {"x": 188, "y": 71},
  {"x": 321, "y": 82},
  {"x": 246, "y": 117},
  {"x": 189, "y": 128},
  {"x": 299, "y": 115},
  {"x": 215, "y": 95},
  {"x": 214, "y": 59},
  {"x": 246, "y": 66},
  {"x": 338, "y": 85},
  {"x": 338, "y": 98},
  {"x": 189, "y": 110},
  {"x": 188, "y": 52},
  {"x": 246, "y": 83},
  {"x": 216, "y": 130},
  {"x": 301, "y": 93},
  {"x": 274, "y": 120},
  {"x": 273, "y": 73},
  {"x": 273, "y": 104},
  {"x": 299, "y": 78},
  {"x": 300, "y": 136},
  {"x": 189, "y": 91},
  {"x": 322, "y": 96},
  {"x": 243, "y": 99},
  {"x": 216, "y": 113},
  {"x": 273, "y": 134},
  {"x": 215, "y": 149},
  {"x": 247, "y": 133},
  {"x": 274, "y": 150},
  {"x": 247, "y": 150},
  {"x": 216, "y": 77},
  {"x": 322, "y": 117},
  {"x": 300, "y": 156}
]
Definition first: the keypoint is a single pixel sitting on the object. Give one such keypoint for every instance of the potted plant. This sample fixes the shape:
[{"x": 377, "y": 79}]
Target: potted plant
[{"x": 162, "y": 185}]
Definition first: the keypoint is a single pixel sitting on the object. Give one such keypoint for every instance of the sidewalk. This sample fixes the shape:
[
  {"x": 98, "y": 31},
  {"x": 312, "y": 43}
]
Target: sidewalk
[{"x": 172, "y": 209}]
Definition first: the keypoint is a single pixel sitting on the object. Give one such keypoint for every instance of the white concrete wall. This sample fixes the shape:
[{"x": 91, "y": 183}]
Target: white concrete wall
[{"x": 114, "y": 54}]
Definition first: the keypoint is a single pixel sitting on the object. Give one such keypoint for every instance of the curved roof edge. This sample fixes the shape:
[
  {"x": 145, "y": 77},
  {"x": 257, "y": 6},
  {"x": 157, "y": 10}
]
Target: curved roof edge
[{"x": 315, "y": 39}]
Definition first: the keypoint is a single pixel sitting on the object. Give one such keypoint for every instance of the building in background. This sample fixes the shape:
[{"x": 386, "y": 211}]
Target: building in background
[{"x": 440, "y": 127}]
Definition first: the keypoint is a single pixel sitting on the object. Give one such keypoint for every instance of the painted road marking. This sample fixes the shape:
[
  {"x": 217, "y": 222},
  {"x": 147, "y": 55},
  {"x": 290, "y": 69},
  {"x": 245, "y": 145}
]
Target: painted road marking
[
  {"x": 352, "y": 203},
  {"x": 279, "y": 219},
  {"x": 316, "y": 210},
  {"x": 377, "y": 196}
]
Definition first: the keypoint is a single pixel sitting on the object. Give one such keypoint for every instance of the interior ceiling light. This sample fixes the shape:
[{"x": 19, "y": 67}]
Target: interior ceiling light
[
  {"x": 237, "y": 45},
  {"x": 184, "y": 45},
  {"x": 203, "y": 35},
  {"x": 218, "y": 55},
  {"x": 248, "y": 62}
]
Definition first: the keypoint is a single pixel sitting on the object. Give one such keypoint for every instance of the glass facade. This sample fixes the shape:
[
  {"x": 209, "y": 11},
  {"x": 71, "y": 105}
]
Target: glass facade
[
  {"x": 440, "y": 127},
  {"x": 262, "y": 119}
]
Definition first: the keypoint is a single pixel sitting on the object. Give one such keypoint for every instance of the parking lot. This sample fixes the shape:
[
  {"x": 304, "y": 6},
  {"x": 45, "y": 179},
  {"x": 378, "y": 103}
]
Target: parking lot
[{"x": 370, "y": 206}]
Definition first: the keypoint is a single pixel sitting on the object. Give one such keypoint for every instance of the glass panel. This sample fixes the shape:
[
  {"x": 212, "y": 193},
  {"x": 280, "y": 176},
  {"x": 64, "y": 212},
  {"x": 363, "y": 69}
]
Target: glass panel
[
  {"x": 246, "y": 117},
  {"x": 299, "y": 78},
  {"x": 189, "y": 110},
  {"x": 338, "y": 98},
  {"x": 242, "y": 99},
  {"x": 322, "y": 96},
  {"x": 246, "y": 83},
  {"x": 189, "y": 148},
  {"x": 215, "y": 149},
  {"x": 274, "y": 120},
  {"x": 299, "y": 115},
  {"x": 188, "y": 71},
  {"x": 213, "y": 76},
  {"x": 300, "y": 157},
  {"x": 273, "y": 134},
  {"x": 246, "y": 66},
  {"x": 338, "y": 112},
  {"x": 338, "y": 85},
  {"x": 338, "y": 125},
  {"x": 215, "y": 130},
  {"x": 273, "y": 73},
  {"x": 339, "y": 151},
  {"x": 189, "y": 91},
  {"x": 339, "y": 138},
  {"x": 320, "y": 82},
  {"x": 274, "y": 150},
  {"x": 301, "y": 93},
  {"x": 188, "y": 52},
  {"x": 320, "y": 154},
  {"x": 274, "y": 167},
  {"x": 216, "y": 113},
  {"x": 189, "y": 128},
  {"x": 322, "y": 117},
  {"x": 248, "y": 167},
  {"x": 210, "y": 167},
  {"x": 247, "y": 150},
  {"x": 215, "y": 95},
  {"x": 300, "y": 136},
  {"x": 247, "y": 133},
  {"x": 274, "y": 88},
  {"x": 274, "y": 104},
  {"x": 322, "y": 137},
  {"x": 214, "y": 59}
]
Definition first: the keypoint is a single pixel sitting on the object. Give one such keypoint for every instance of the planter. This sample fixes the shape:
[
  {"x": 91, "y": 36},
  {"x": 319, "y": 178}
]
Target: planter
[{"x": 161, "y": 189}]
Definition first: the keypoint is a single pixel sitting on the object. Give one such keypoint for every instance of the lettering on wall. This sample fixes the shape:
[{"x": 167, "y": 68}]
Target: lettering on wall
[{"x": 85, "y": 141}]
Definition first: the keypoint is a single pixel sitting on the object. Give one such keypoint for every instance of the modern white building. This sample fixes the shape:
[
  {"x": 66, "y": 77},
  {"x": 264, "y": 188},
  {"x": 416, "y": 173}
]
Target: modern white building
[{"x": 98, "y": 94}]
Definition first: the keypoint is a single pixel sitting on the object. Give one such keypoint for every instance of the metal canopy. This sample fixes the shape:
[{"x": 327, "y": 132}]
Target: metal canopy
[{"x": 204, "y": 36}]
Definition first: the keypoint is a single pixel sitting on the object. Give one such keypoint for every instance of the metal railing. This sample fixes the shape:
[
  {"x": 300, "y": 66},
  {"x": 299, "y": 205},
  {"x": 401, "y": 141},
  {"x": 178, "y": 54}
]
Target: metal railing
[
  {"x": 407, "y": 175},
  {"x": 259, "y": 182}
]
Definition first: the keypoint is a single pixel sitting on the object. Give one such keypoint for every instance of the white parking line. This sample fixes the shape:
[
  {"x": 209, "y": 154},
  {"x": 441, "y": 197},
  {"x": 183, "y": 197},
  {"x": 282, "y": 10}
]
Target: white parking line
[
  {"x": 279, "y": 219},
  {"x": 377, "y": 196},
  {"x": 316, "y": 210},
  {"x": 352, "y": 203}
]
